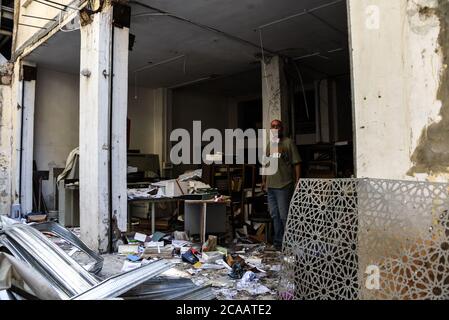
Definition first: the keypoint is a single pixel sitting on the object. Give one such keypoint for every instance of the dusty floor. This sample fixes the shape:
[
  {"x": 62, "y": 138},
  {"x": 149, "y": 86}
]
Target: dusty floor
[{"x": 264, "y": 287}]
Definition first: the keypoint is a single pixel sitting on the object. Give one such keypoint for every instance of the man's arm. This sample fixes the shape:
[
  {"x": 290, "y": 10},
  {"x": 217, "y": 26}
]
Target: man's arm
[
  {"x": 297, "y": 172},
  {"x": 264, "y": 183}
]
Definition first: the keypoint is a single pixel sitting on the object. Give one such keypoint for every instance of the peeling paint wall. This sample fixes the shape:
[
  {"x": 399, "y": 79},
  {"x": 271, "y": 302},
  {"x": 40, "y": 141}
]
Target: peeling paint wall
[
  {"x": 5, "y": 144},
  {"x": 431, "y": 155},
  {"x": 397, "y": 70}
]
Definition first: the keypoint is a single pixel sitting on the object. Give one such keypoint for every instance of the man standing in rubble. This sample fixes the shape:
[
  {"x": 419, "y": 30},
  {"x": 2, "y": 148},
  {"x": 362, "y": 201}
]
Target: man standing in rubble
[{"x": 281, "y": 185}]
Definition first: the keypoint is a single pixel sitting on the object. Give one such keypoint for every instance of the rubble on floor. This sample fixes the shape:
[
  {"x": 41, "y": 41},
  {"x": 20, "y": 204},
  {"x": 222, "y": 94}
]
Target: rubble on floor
[
  {"x": 159, "y": 266},
  {"x": 41, "y": 264},
  {"x": 242, "y": 271}
]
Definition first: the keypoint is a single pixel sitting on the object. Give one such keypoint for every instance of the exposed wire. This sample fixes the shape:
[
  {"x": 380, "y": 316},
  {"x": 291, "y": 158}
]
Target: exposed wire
[
  {"x": 49, "y": 5},
  {"x": 199, "y": 25},
  {"x": 319, "y": 54},
  {"x": 263, "y": 61},
  {"x": 62, "y": 5},
  {"x": 30, "y": 25},
  {"x": 36, "y": 17},
  {"x": 160, "y": 63},
  {"x": 149, "y": 14},
  {"x": 304, "y": 12},
  {"x": 303, "y": 89}
]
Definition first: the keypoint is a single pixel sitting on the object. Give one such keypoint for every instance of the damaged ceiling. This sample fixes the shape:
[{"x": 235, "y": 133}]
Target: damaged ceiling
[{"x": 218, "y": 38}]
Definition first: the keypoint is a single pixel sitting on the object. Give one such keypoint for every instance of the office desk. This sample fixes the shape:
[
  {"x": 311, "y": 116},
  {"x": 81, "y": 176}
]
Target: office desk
[
  {"x": 152, "y": 202},
  {"x": 203, "y": 213}
]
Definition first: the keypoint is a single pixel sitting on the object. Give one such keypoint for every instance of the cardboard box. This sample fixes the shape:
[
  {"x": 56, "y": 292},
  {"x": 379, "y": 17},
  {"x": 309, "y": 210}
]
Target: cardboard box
[{"x": 173, "y": 188}]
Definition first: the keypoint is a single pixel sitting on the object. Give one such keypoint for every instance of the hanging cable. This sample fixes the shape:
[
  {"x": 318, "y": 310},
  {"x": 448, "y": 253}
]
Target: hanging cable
[
  {"x": 263, "y": 60},
  {"x": 303, "y": 90}
]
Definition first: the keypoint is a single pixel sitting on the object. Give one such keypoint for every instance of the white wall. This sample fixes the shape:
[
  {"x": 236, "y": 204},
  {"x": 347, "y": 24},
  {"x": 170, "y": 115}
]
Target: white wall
[
  {"x": 56, "y": 124},
  {"x": 5, "y": 148},
  {"x": 397, "y": 70}
]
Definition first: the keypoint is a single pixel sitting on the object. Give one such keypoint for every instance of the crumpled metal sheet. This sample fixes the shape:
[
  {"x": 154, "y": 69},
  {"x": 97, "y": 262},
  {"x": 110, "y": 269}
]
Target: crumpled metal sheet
[
  {"x": 15, "y": 273},
  {"x": 123, "y": 282},
  {"x": 28, "y": 244},
  {"x": 74, "y": 240},
  {"x": 169, "y": 289},
  {"x": 69, "y": 280}
]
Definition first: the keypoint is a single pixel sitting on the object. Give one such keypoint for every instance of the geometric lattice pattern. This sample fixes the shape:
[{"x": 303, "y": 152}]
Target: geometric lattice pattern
[{"x": 366, "y": 239}]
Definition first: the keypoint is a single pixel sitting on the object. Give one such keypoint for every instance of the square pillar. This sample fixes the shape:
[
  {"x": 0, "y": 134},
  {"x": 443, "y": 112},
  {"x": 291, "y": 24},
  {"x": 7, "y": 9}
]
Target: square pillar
[
  {"x": 27, "y": 91},
  {"x": 274, "y": 92},
  {"x": 103, "y": 110}
]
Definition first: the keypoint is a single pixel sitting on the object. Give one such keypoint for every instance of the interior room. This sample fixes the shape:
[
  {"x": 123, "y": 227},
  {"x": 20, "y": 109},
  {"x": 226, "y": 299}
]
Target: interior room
[
  {"x": 224, "y": 150},
  {"x": 203, "y": 63}
]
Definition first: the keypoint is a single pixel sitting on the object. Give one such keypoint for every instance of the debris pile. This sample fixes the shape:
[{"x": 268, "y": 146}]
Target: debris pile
[
  {"x": 37, "y": 262},
  {"x": 245, "y": 271}
]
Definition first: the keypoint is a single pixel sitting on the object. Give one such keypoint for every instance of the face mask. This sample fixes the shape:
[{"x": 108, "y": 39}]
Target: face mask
[{"x": 274, "y": 136}]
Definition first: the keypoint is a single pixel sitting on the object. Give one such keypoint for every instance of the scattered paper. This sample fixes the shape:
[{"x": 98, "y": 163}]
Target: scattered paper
[
  {"x": 180, "y": 243},
  {"x": 212, "y": 266},
  {"x": 128, "y": 249},
  {"x": 248, "y": 277},
  {"x": 140, "y": 237},
  {"x": 154, "y": 244},
  {"x": 253, "y": 288}
]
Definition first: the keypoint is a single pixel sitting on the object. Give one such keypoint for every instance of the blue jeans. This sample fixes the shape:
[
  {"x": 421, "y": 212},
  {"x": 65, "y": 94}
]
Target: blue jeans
[{"x": 278, "y": 204}]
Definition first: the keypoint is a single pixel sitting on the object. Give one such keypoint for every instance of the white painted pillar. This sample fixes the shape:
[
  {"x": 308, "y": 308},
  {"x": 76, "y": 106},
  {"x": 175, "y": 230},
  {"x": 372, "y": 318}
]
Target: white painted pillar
[
  {"x": 100, "y": 57},
  {"x": 26, "y": 118},
  {"x": 6, "y": 115},
  {"x": 119, "y": 127},
  {"x": 274, "y": 92},
  {"x": 399, "y": 78}
]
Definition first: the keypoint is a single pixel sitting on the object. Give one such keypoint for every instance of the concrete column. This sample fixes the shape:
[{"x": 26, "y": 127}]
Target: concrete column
[
  {"x": 26, "y": 136},
  {"x": 399, "y": 58},
  {"x": 103, "y": 109},
  {"x": 119, "y": 127},
  {"x": 6, "y": 124},
  {"x": 274, "y": 92}
]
